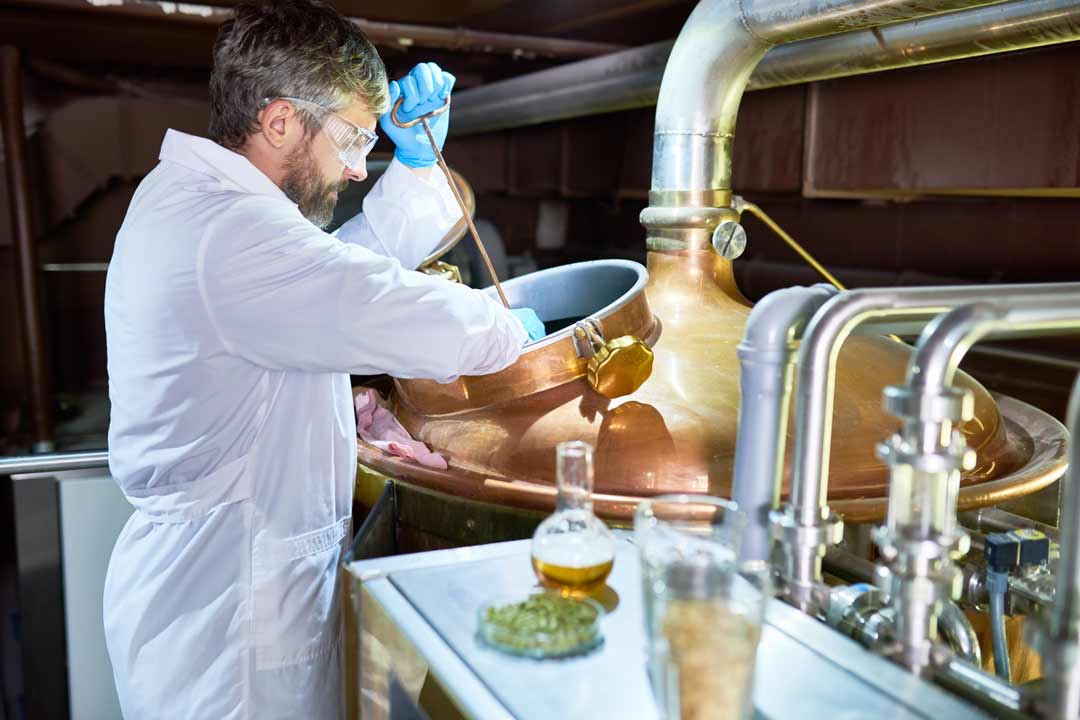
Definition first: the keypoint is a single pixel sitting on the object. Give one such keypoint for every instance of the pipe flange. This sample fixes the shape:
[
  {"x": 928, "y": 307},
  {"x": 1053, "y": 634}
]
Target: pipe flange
[
  {"x": 950, "y": 404},
  {"x": 788, "y": 531},
  {"x": 685, "y": 218},
  {"x": 898, "y": 451},
  {"x": 898, "y": 545},
  {"x": 944, "y": 582}
]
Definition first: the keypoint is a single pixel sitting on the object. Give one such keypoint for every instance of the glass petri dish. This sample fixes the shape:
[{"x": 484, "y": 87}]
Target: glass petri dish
[{"x": 541, "y": 625}]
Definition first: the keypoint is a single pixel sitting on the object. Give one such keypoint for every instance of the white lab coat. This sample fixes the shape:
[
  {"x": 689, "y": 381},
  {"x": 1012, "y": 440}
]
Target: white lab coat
[{"x": 231, "y": 323}]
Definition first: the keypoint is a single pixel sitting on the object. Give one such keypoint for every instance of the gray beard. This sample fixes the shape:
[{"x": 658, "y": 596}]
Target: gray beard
[{"x": 303, "y": 185}]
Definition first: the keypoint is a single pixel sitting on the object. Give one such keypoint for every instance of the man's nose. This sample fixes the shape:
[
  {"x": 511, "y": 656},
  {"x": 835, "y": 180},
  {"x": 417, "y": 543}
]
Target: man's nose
[{"x": 356, "y": 174}]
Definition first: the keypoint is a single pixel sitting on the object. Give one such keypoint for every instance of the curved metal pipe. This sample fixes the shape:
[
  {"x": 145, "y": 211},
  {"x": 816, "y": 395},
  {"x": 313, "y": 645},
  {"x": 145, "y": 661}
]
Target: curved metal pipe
[
  {"x": 1002, "y": 313},
  {"x": 817, "y": 366},
  {"x": 954, "y": 625},
  {"x": 807, "y": 513},
  {"x": 957, "y": 631},
  {"x": 710, "y": 65},
  {"x": 1061, "y": 651},
  {"x": 631, "y": 78},
  {"x": 704, "y": 80},
  {"x": 926, "y": 456},
  {"x": 1011, "y": 26},
  {"x": 767, "y": 363},
  {"x": 703, "y": 84},
  {"x": 781, "y": 21}
]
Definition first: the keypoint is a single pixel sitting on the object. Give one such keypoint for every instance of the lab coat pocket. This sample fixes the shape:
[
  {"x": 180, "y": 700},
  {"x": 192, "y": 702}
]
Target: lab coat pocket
[
  {"x": 194, "y": 499},
  {"x": 297, "y": 613}
]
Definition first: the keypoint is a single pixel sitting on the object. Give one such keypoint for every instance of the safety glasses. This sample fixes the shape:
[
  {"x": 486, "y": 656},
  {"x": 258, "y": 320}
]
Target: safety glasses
[{"x": 352, "y": 142}]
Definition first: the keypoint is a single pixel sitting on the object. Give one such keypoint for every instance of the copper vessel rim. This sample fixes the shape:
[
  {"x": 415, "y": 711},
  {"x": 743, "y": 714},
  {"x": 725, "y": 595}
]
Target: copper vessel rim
[
  {"x": 608, "y": 310},
  {"x": 1047, "y": 463}
]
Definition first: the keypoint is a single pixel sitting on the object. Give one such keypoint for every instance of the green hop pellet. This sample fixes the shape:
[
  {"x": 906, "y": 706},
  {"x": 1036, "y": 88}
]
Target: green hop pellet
[{"x": 546, "y": 623}]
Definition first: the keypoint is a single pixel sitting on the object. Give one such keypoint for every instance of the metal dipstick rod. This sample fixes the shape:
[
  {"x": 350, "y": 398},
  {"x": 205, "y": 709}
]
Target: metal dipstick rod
[{"x": 423, "y": 120}]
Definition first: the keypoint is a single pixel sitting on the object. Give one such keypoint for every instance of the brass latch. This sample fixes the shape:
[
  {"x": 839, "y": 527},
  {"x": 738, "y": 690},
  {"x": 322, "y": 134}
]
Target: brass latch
[
  {"x": 616, "y": 367},
  {"x": 445, "y": 270}
]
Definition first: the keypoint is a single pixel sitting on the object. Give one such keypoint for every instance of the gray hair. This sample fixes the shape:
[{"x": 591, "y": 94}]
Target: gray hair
[{"x": 289, "y": 48}]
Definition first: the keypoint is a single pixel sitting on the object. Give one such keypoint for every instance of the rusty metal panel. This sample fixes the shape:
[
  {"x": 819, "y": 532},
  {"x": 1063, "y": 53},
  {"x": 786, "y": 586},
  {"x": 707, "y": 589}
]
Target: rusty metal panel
[
  {"x": 769, "y": 141},
  {"x": 592, "y": 150},
  {"x": 1044, "y": 242},
  {"x": 968, "y": 237},
  {"x": 482, "y": 159},
  {"x": 1002, "y": 123},
  {"x": 635, "y": 173},
  {"x": 514, "y": 217},
  {"x": 535, "y": 160},
  {"x": 977, "y": 239},
  {"x": 837, "y": 233}
]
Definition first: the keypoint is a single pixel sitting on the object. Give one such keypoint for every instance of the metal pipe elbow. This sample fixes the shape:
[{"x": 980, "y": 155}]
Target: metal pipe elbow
[
  {"x": 779, "y": 319},
  {"x": 957, "y": 631}
]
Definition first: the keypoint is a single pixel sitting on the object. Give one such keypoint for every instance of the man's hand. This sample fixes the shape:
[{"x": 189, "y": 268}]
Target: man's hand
[
  {"x": 425, "y": 88},
  {"x": 531, "y": 321}
]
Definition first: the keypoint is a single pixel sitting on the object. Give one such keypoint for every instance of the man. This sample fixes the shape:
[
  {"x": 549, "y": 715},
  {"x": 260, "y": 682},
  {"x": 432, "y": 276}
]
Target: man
[{"x": 232, "y": 322}]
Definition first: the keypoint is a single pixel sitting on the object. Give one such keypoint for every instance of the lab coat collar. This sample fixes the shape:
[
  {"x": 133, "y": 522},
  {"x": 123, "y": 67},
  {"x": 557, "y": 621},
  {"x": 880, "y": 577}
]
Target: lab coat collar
[{"x": 206, "y": 156}]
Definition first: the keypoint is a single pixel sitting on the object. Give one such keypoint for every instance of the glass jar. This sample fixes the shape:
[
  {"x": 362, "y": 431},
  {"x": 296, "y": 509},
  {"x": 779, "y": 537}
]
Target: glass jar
[
  {"x": 703, "y": 609},
  {"x": 573, "y": 550}
]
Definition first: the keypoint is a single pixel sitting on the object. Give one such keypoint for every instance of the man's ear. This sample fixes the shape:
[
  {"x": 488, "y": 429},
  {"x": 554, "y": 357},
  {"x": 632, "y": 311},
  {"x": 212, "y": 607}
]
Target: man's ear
[{"x": 277, "y": 121}]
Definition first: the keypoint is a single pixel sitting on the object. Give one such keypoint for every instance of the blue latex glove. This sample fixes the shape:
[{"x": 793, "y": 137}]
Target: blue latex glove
[
  {"x": 532, "y": 322},
  {"x": 425, "y": 88}
]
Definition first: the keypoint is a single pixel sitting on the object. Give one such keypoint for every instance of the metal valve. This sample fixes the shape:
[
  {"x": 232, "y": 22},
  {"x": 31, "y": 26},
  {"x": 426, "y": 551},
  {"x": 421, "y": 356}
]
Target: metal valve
[{"x": 616, "y": 367}]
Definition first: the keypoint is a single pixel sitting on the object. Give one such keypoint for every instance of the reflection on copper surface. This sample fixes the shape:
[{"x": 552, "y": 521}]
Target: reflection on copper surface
[{"x": 677, "y": 432}]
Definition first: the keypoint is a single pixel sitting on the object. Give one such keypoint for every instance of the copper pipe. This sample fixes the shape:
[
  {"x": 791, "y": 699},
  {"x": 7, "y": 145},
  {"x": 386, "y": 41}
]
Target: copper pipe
[
  {"x": 380, "y": 33},
  {"x": 18, "y": 180}
]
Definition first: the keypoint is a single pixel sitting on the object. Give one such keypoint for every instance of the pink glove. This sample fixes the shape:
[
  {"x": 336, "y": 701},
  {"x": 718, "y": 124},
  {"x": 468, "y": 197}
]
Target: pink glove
[{"x": 378, "y": 427}]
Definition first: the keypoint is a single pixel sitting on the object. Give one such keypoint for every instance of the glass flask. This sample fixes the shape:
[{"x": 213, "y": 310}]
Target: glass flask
[{"x": 573, "y": 550}]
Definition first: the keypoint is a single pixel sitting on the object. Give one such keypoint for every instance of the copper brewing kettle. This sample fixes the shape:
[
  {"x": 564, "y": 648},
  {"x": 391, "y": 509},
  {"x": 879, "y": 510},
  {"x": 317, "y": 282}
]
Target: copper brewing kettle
[{"x": 676, "y": 433}]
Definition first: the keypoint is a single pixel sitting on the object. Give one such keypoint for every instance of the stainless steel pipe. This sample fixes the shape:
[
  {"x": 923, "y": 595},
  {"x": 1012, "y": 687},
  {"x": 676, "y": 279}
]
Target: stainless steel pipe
[
  {"x": 781, "y": 21},
  {"x": 1061, "y": 642},
  {"x": 807, "y": 524},
  {"x": 710, "y": 65},
  {"x": 1016, "y": 25},
  {"x": 631, "y": 78},
  {"x": 55, "y": 462},
  {"x": 704, "y": 80},
  {"x": 955, "y": 627},
  {"x": 926, "y": 457},
  {"x": 767, "y": 369}
]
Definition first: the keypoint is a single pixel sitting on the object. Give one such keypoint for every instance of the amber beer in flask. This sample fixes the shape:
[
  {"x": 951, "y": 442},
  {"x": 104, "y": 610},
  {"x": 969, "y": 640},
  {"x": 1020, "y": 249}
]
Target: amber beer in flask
[{"x": 573, "y": 551}]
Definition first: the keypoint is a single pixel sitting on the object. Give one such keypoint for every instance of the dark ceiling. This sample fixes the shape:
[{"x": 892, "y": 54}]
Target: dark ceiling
[
  {"x": 141, "y": 35},
  {"x": 631, "y": 22}
]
